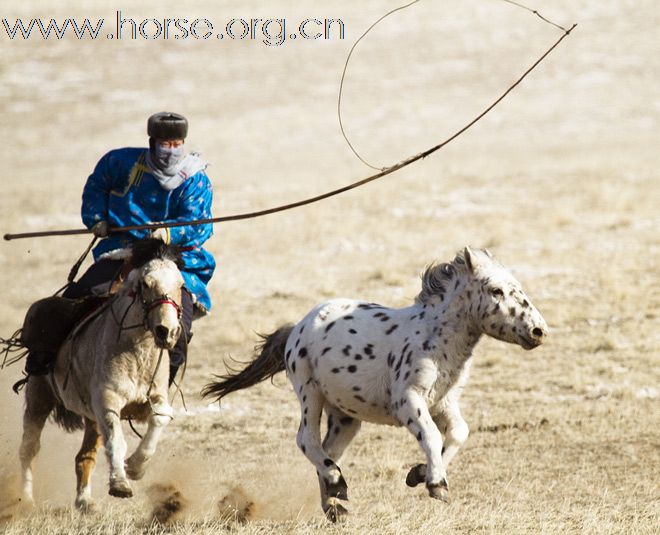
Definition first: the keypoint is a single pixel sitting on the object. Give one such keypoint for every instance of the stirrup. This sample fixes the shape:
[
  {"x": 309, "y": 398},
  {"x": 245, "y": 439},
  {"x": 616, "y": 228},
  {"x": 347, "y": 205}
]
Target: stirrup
[{"x": 18, "y": 385}]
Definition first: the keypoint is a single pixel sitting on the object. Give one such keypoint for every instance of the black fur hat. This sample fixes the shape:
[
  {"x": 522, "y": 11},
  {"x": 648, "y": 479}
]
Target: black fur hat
[{"x": 166, "y": 125}]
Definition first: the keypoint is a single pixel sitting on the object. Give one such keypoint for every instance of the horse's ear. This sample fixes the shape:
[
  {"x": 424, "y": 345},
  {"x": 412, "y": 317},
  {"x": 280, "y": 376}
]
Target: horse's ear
[{"x": 469, "y": 259}]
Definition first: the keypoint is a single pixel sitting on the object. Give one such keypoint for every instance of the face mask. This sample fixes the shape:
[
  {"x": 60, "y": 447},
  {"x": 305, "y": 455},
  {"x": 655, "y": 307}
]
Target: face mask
[{"x": 165, "y": 157}]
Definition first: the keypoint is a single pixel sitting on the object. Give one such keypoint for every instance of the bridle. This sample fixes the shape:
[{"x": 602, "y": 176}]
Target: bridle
[
  {"x": 164, "y": 299},
  {"x": 147, "y": 307}
]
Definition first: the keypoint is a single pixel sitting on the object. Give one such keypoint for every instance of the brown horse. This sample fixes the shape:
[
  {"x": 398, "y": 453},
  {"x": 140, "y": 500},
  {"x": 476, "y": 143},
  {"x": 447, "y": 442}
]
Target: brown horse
[{"x": 111, "y": 368}]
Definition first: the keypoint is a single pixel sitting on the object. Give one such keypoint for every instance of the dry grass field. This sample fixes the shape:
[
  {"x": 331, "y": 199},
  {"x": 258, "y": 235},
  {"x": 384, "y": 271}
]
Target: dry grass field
[{"x": 560, "y": 182}]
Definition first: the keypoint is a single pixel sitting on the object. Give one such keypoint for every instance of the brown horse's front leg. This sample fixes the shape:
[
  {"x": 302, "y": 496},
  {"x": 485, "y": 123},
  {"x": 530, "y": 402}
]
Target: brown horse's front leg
[
  {"x": 85, "y": 463},
  {"x": 159, "y": 418},
  {"x": 115, "y": 444}
]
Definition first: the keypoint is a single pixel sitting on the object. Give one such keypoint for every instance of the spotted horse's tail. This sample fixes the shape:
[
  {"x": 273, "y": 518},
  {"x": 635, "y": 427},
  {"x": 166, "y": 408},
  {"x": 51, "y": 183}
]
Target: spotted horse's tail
[{"x": 270, "y": 360}]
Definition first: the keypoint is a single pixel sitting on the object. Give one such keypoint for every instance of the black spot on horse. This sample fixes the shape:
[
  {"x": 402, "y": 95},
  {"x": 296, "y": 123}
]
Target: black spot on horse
[
  {"x": 303, "y": 352},
  {"x": 421, "y": 315},
  {"x": 328, "y": 462},
  {"x": 346, "y": 420},
  {"x": 329, "y": 326},
  {"x": 347, "y": 317},
  {"x": 419, "y": 436},
  {"x": 293, "y": 366},
  {"x": 359, "y": 398},
  {"x": 405, "y": 377},
  {"x": 367, "y": 350},
  {"x": 335, "y": 370},
  {"x": 297, "y": 343},
  {"x": 358, "y": 357},
  {"x": 352, "y": 331},
  {"x": 385, "y": 318},
  {"x": 356, "y": 389},
  {"x": 352, "y": 368},
  {"x": 410, "y": 420},
  {"x": 302, "y": 447},
  {"x": 325, "y": 350},
  {"x": 392, "y": 329},
  {"x": 347, "y": 350}
]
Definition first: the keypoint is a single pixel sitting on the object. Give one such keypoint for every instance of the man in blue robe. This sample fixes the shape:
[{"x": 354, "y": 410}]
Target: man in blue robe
[{"x": 138, "y": 186}]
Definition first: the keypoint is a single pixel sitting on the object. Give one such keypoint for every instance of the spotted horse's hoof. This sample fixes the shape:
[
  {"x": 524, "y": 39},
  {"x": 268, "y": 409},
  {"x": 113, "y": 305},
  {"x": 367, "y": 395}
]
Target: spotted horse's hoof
[
  {"x": 335, "y": 511},
  {"x": 416, "y": 475},
  {"x": 439, "y": 491}
]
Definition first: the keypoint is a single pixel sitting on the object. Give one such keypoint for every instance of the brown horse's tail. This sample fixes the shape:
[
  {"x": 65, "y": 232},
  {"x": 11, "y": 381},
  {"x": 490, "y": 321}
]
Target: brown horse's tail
[
  {"x": 41, "y": 402},
  {"x": 67, "y": 420},
  {"x": 270, "y": 360}
]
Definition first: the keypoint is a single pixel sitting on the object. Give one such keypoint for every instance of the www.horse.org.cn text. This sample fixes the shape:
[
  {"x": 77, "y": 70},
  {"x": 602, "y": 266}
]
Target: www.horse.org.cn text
[{"x": 269, "y": 31}]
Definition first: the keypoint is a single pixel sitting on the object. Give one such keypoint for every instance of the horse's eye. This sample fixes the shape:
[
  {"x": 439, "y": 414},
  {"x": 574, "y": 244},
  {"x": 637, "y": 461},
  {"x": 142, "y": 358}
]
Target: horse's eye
[{"x": 497, "y": 292}]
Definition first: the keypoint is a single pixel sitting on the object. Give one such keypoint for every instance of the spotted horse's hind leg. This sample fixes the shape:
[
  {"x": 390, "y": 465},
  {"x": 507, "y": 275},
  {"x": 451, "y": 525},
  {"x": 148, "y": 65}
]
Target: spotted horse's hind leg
[
  {"x": 341, "y": 431},
  {"x": 331, "y": 482}
]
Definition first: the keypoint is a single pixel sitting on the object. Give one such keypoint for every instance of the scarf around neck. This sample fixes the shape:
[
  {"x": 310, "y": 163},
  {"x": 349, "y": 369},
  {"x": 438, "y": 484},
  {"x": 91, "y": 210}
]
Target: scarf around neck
[{"x": 175, "y": 175}]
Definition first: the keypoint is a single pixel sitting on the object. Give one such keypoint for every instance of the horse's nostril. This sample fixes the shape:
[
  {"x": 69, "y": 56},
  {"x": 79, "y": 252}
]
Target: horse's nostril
[
  {"x": 537, "y": 332},
  {"x": 161, "y": 332}
]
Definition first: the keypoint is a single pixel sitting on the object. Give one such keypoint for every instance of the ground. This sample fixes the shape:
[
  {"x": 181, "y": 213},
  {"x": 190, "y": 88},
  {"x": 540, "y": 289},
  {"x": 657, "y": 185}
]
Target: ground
[{"x": 560, "y": 182}]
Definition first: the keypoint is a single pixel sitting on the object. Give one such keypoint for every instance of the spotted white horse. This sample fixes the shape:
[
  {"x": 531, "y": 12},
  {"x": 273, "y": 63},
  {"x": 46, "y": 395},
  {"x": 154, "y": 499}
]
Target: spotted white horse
[
  {"x": 109, "y": 369},
  {"x": 407, "y": 367}
]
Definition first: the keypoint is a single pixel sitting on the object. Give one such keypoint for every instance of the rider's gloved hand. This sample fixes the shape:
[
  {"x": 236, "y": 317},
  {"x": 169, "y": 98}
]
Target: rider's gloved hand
[
  {"x": 161, "y": 234},
  {"x": 100, "y": 229}
]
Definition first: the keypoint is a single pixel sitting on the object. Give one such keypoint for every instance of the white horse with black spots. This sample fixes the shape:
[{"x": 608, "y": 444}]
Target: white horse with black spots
[{"x": 407, "y": 367}]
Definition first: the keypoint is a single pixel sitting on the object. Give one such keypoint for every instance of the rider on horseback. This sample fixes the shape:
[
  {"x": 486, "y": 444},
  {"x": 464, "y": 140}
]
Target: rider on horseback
[{"x": 137, "y": 186}]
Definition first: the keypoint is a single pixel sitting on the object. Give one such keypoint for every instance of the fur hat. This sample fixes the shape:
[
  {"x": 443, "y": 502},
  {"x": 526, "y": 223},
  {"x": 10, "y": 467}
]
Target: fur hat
[{"x": 167, "y": 126}]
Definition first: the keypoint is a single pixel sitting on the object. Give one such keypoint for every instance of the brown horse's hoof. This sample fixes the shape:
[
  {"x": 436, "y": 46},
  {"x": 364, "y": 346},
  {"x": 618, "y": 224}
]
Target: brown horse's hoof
[
  {"x": 120, "y": 489},
  {"x": 133, "y": 472},
  {"x": 86, "y": 506}
]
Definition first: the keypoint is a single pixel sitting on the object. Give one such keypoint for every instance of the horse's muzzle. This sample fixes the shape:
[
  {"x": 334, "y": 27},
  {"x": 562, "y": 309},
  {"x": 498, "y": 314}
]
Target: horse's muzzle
[{"x": 166, "y": 338}]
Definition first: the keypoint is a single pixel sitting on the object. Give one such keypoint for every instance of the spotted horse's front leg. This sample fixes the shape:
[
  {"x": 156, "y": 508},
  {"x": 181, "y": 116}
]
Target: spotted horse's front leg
[{"x": 413, "y": 413}]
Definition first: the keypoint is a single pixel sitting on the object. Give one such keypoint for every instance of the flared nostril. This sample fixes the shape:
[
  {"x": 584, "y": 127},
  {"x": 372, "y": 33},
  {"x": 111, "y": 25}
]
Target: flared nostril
[
  {"x": 538, "y": 332},
  {"x": 161, "y": 332}
]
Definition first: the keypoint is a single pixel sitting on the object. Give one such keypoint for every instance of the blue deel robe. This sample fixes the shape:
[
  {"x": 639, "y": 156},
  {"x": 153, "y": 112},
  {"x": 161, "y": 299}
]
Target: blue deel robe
[{"x": 123, "y": 192}]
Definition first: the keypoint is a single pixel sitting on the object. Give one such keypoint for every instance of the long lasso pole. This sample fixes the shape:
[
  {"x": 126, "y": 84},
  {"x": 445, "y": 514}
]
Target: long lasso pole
[{"x": 310, "y": 200}]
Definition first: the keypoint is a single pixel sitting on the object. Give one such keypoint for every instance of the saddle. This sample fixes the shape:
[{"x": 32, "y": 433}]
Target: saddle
[{"x": 50, "y": 320}]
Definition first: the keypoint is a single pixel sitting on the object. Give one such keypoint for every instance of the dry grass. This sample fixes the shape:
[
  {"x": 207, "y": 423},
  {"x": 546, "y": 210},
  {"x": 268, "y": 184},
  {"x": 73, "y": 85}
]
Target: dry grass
[{"x": 561, "y": 182}]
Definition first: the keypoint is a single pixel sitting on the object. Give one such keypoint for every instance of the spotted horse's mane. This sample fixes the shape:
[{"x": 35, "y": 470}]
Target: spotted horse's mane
[
  {"x": 437, "y": 276},
  {"x": 149, "y": 249}
]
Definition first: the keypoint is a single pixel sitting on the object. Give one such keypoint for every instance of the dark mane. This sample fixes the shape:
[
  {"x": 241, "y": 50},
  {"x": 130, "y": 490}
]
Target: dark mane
[
  {"x": 436, "y": 277},
  {"x": 144, "y": 251}
]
